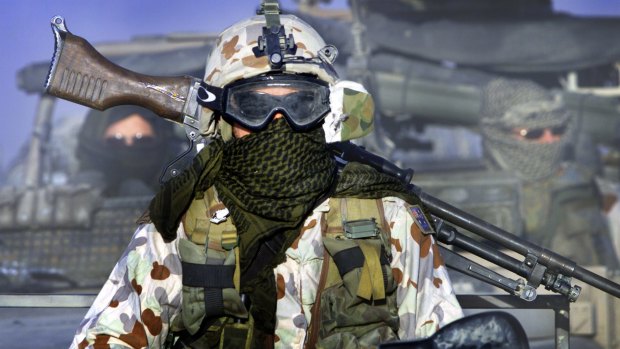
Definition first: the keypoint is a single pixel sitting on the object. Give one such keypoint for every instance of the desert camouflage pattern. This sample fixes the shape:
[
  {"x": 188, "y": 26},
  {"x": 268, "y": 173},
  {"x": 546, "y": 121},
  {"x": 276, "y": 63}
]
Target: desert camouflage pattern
[
  {"x": 142, "y": 297},
  {"x": 135, "y": 307},
  {"x": 232, "y": 59}
]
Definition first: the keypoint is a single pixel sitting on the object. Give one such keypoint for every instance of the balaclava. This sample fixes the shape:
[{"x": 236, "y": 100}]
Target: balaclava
[{"x": 142, "y": 161}]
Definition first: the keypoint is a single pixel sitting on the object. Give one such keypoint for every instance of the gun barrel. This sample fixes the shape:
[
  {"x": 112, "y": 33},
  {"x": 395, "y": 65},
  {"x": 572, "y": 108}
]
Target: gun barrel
[
  {"x": 597, "y": 281},
  {"x": 449, "y": 235},
  {"x": 80, "y": 74},
  {"x": 488, "y": 231}
]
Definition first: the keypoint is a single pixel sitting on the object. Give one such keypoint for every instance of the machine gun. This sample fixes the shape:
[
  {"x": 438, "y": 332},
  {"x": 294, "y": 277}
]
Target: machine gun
[
  {"x": 80, "y": 74},
  {"x": 539, "y": 266}
]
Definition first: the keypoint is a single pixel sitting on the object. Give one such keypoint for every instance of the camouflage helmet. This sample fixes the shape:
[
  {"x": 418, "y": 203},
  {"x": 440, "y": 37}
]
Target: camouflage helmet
[{"x": 233, "y": 58}]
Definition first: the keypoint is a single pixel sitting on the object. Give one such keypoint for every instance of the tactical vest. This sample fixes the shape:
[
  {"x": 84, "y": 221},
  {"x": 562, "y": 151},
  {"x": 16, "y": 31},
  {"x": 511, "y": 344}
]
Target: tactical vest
[{"x": 355, "y": 301}]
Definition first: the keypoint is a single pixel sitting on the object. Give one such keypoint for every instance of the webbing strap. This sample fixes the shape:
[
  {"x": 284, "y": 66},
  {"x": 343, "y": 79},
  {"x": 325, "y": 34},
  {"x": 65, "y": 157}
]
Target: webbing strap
[
  {"x": 229, "y": 239},
  {"x": 208, "y": 276},
  {"x": 371, "y": 280},
  {"x": 200, "y": 230},
  {"x": 214, "y": 302},
  {"x": 237, "y": 274},
  {"x": 352, "y": 209},
  {"x": 372, "y": 273}
]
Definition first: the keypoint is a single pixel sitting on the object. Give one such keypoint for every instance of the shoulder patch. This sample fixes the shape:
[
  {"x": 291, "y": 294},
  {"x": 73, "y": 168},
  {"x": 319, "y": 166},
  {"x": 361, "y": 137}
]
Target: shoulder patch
[{"x": 420, "y": 220}]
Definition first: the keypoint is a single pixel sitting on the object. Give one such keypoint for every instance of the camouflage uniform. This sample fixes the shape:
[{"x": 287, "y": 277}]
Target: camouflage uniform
[
  {"x": 140, "y": 302},
  {"x": 143, "y": 294}
]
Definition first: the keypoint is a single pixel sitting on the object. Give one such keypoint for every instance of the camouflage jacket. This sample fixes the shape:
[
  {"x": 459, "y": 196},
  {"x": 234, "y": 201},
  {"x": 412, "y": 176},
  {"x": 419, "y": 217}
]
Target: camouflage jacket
[{"x": 142, "y": 296}]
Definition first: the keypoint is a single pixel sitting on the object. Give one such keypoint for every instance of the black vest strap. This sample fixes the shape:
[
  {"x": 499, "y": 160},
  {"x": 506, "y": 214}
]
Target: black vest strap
[
  {"x": 349, "y": 259},
  {"x": 208, "y": 276}
]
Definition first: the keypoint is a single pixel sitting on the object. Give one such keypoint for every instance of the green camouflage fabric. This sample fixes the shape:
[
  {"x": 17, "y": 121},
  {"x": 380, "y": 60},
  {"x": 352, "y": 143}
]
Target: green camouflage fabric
[
  {"x": 143, "y": 296},
  {"x": 232, "y": 59},
  {"x": 362, "y": 105},
  {"x": 352, "y": 112}
]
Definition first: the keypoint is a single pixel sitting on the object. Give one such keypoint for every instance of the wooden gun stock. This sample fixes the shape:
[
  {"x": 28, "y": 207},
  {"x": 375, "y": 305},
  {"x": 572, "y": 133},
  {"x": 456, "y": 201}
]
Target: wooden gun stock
[{"x": 80, "y": 74}]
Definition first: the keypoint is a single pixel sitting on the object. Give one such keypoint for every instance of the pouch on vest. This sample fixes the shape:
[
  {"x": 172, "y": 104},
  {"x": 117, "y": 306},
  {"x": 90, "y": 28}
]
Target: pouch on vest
[
  {"x": 208, "y": 287},
  {"x": 213, "y": 314},
  {"x": 357, "y": 306}
]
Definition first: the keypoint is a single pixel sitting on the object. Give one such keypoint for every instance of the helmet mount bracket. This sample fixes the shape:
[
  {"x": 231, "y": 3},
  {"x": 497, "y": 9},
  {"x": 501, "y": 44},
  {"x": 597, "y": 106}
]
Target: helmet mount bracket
[{"x": 274, "y": 43}]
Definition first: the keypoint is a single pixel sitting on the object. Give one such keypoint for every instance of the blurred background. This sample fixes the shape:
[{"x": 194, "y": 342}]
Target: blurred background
[
  {"x": 506, "y": 109},
  {"x": 27, "y": 39}
]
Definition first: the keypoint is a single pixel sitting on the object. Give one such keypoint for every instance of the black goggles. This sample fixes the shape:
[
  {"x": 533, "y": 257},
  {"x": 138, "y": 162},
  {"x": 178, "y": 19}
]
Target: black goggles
[{"x": 253, "y": 103}]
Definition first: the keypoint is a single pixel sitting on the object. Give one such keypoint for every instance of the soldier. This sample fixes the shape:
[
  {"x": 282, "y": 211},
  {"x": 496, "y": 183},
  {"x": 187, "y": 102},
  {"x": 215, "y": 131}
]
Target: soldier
[
  {"x": 322, "y": 256},
  {"x": 527, "y": 131},
  {"x": 123, "y": 150}
]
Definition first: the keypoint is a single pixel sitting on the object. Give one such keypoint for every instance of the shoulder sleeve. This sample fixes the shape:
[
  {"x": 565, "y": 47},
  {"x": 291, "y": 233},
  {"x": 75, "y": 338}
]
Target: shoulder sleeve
[
  {"x": 425, "y": 298},
  {"x": 138, "y": 301}
]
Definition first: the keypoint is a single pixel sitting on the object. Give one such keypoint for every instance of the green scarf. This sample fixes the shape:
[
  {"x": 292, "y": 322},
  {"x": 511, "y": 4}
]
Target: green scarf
[{"x": 270, "y": 181}]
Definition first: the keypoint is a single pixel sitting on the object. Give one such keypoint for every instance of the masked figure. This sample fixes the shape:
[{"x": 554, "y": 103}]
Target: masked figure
[
  {"x": 123, "y": 150},
  {"x": 265, "y": 240},
  {"x": 528, "y": 132}
]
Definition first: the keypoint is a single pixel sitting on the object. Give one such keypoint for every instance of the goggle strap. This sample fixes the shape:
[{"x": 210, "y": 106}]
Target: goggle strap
[{"x": 210, "y": 97}]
